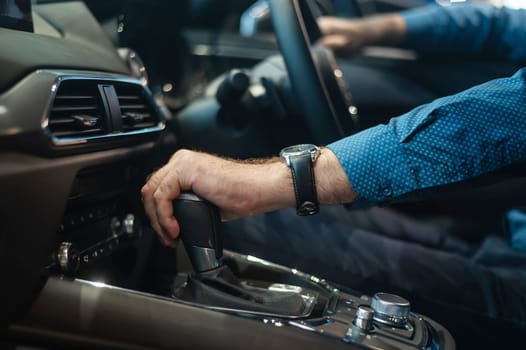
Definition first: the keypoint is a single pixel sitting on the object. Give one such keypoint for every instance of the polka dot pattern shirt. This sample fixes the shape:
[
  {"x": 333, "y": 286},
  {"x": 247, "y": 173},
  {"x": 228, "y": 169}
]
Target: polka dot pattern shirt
[
  {"x": 454, "y": 138},
  {"x": 449, "y": 140}
]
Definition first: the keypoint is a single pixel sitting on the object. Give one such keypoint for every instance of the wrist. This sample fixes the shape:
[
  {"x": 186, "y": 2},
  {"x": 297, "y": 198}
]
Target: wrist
[
  {"x": 330, "y": 179},
  {"x": 385, "y": 29},
  {"x": 256, "y": 186},
  {"x": 332, "y": 183},
  {"x": 276, "y": 186}
]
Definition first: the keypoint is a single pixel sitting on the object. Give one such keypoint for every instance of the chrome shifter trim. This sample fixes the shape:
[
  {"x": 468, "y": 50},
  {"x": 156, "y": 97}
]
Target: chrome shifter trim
[
  {"x": 204, "y": 258},
  {"x": 309, "y": 302}
]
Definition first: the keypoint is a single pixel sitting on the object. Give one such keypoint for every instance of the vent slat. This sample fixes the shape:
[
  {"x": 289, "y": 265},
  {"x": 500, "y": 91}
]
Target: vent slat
[
  {"x": 60, "y": 121},
  {"x": 73, "y": 108},
  {"x": 136, "y": 106},
  {"x": 145, "y": 115},
  {"x": 74, "y": 97},
  {"x": 129, "y": 97}
]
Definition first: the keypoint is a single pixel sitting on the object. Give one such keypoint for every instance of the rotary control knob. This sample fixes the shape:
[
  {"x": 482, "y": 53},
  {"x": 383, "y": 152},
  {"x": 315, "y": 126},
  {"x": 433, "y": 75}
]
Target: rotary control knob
[
  {"x": 390, "y": 309},
  {"x": 132, "y": 226},
  {"x": 364, "y": 317},
  {"x": 68, "y": 257}
]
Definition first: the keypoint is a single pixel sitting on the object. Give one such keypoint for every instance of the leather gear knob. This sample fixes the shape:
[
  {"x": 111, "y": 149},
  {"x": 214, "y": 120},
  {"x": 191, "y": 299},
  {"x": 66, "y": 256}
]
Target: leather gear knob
[{"x": 200, "y": 230}]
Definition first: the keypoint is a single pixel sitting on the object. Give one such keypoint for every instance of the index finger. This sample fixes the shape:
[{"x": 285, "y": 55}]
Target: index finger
[
  {"x": 147, "y": 192},
  {"x": 164, "y": 195}
]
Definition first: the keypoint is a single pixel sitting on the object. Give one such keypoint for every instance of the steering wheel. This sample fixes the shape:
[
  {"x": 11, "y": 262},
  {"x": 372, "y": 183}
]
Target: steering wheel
[{"x": 314, "y": 73}]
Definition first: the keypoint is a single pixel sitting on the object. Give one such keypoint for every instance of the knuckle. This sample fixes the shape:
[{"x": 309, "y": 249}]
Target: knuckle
[
  {"x": 181, "y": 155},
  {"x": 146, "y": 189},
  {"x": 158, "y": 196},
  {"x": 162, "y": 193},
  {"x": 164, "y": 189}
]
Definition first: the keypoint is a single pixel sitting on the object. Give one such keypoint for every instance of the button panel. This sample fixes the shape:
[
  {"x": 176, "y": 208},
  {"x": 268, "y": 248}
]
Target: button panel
[
  {"x": 79, "y": 218},
  {"x": 354, "y": 320},
  {"x": 71, "y": 257}
]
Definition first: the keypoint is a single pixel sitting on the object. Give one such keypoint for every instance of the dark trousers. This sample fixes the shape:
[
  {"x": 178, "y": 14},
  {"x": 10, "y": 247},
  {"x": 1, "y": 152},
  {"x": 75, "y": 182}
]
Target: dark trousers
[{"x": 476, "y": 290}]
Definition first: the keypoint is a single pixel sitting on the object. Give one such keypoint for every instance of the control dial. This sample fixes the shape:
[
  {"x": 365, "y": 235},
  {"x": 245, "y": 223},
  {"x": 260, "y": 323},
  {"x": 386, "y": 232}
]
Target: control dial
[
  {"x": 364, "y": 317},
  {"x": 68, "y": 257},
  {"x": 390, "y": 309}
]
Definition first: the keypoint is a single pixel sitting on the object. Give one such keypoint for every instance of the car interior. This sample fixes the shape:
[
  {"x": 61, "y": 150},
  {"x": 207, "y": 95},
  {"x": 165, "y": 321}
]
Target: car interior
[{"x": 94, "y": 96}]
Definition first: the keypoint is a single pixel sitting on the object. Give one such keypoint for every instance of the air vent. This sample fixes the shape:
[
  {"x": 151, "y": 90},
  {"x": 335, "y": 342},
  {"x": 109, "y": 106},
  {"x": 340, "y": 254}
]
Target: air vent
[
  {"x": 77, "y": 110},
  {"x": 98, "y": 109},
  {"x": 136, "y": 109}
]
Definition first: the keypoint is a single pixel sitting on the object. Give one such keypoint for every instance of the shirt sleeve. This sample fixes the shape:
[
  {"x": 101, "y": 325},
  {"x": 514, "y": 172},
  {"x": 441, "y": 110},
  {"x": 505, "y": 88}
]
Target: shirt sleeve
[
  {"x": 467, "y": 29},
  {"x": 450, "y": 140}
]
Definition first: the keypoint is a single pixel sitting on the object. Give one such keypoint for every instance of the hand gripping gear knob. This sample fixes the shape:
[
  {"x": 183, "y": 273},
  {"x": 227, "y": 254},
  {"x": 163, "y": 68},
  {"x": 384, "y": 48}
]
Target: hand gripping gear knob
[{"x": 200, "y": 224}]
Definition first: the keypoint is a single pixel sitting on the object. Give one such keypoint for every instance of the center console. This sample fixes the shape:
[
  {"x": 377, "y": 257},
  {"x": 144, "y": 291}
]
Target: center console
[
  {"x": 225, "y": 301},
  {"x": 249, "y": 287}
]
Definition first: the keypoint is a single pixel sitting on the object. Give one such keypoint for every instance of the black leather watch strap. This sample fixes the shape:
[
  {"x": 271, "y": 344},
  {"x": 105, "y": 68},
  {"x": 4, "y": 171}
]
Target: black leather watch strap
[{"x": 304, "y": 184}]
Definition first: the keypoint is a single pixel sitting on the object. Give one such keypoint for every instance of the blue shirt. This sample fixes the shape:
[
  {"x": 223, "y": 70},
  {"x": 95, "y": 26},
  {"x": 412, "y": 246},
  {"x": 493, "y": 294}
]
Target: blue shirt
[
  {"x": 454, "y": 138},
  {"x": 468, "y": 29}
]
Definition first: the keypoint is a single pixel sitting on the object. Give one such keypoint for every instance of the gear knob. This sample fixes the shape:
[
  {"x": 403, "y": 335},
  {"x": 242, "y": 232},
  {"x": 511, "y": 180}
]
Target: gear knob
[{"x": 200, "y": 226}]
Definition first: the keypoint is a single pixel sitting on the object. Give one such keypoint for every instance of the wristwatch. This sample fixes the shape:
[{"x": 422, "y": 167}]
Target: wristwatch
[{"x": 300, "y": 159}]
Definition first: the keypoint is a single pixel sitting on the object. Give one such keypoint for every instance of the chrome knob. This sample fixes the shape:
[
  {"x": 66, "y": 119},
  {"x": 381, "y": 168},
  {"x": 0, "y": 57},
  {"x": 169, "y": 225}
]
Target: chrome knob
[
  {"x": 131, "y": 225},
  {"x": 67, "y": 257},
  {"x": 390, "y": 309},
  {"x": 364, "y": 317}
]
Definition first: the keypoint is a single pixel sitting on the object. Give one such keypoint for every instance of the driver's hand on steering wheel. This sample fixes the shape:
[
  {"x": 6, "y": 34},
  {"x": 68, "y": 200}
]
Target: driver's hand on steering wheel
[
  {"x": 343, "y": 36},
  {"x": 347, "y": 36}
]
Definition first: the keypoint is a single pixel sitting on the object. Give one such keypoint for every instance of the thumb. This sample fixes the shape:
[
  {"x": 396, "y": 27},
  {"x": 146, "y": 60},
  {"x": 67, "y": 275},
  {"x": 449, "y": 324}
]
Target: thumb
[
  {"x": 340, "y": 44},
  {"x": 333, "y": 41}
]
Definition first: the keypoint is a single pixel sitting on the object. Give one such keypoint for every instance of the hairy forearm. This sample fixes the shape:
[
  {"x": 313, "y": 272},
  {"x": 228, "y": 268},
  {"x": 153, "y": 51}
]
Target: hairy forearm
[
  {"x": 383, "y": 30},
  {"x": 254, "y": 186},
  {"x": 238, "y": 188}
]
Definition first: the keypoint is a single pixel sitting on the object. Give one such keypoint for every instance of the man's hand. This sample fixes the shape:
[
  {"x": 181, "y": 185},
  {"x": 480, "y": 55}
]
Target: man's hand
[
  {"x": 237, "y": 188},
  {"x": 343, "y": 36},
  {"x": 348, "y": 36}
]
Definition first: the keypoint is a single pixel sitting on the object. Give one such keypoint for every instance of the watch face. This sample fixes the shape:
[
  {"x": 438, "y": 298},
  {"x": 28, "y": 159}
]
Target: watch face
[{"x": 298, "y": 149}]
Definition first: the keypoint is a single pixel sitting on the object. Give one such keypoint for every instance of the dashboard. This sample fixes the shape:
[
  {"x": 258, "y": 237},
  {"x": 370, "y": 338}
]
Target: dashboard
[{"x": 77, "y": 129}]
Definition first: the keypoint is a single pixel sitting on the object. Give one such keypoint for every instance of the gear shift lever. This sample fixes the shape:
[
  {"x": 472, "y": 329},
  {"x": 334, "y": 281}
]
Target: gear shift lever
[
  {"x": 200, "y": 225},
  {"x": 216, "y": 284}
]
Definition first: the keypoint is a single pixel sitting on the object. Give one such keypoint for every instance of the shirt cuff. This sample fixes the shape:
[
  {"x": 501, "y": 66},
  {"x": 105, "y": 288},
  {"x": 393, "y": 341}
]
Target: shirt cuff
[
  {"x": 420, "y": 34},
  {"x": 375, "y": 165}
]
